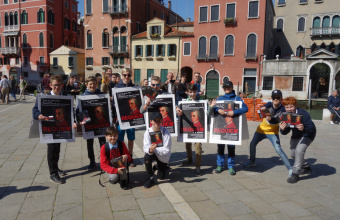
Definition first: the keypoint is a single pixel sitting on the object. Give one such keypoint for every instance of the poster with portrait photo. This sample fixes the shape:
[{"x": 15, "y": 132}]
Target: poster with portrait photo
[
  {"x": 193, "y": 124},
  {"x": 164, "y": 104},
  {"x": 97, "y": 108},
  {"x": 58, "y": 111},
  {"x": 127, "y": 103},
  {"x": 149, "y": 92},
  {"x": 156, "y": 138},
  {"x": 225, "y": 129}
]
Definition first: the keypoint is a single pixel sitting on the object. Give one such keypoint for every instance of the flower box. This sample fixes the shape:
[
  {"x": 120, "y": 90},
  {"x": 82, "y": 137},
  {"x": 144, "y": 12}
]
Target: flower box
[
  {"x": 229, "y": 21},
  {"x": 159, "y": 58},
  {"x": 149, "y": 58},
  {"x": 138, "y": 59},
  {"x": 155, "y": 35},
  {"x": 172, "y": 58}
]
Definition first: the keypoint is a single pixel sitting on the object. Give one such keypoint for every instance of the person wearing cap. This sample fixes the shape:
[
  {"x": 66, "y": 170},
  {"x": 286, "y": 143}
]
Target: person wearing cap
[
  {"x": 228, "y": 96},
  {"x": 154, "y": 153},
  {"x": 269, "y": 128}
]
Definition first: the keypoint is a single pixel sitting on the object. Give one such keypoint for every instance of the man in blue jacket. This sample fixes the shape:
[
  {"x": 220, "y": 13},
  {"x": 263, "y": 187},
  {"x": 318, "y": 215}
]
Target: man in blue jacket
[
  {"x": 333, "y": 105},
  {"x": 303, "y": 135},
  {"x": 228, "y": 96}
]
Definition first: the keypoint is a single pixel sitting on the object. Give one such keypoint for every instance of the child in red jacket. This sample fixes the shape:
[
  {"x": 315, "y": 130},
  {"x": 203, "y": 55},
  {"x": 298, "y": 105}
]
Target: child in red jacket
[{"x": 116, "y": 169}]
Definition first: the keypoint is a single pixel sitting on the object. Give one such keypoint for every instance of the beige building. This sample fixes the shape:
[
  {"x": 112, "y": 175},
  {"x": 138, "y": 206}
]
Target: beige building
[
  {"x": 156, "y": 51},
  {"x": 68, "y": 61}
]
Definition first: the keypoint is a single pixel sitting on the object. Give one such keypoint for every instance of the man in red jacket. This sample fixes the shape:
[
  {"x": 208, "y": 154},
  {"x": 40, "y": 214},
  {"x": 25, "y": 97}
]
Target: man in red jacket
[{"x": 115, "y": 173}]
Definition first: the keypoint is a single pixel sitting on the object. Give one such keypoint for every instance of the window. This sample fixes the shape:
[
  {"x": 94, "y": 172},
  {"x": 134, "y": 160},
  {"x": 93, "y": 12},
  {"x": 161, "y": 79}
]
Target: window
[
  {"x": 1, "y": 61},
  {"x": 42, "y": 60},
  {"x": 17, "y": 61},
  {"x": 24, "y": 40},
  {"x": 300, "y": 51},
  {"x": 25, "y": 61},
  {"x": 105, "y": 6},
  {"x": 160, "y": 50},
  {"x": 281, "y": 2},
  {"x": 149, "y": 73},
  {"x": 50, "y": 17},
  {"x": 138, "y": 27},
  {"x": 277, "y": 51},
  {"x": 89, "y": 61},
  {"x": 202, "y": 47},
  {"x": 214, "y": 13},
  {"x": 55, "y": 62},
  {"x": 5, "y": 2},
  {"x": 316, "y": 22},
  {"x": 41, "y": 40},
  {"x": 213, "y": 47},
  {"x": 267, "y": 83},
  {"x": 203, "y": 14},
  {"x": 88, "y": 7},
  {"x": 74, "y": 26},
  {"x": 138, "y": 51},
  {"x": 105, "y": 38},
  {"x": 136, "y": 75},
  {"x": 67, "y": 23},
  {"x": 229, "y": 45},
  {"x": 16, "y": 18},
  {"x": 164, "y": 73},
  {"x": 249, "y": 81},
  {"x": 74, "y": 8},
  {"x": 162, "y": 15},
  {"x": 301, "y": 24},
  {"x": 6, "y": 19},
  {"x": 172, "y": 50},
  {"x": 303, "y": 1},
  {"x": 253, "y": 9},
  {"x": 115, "y": 61},
  {"x": 231, "y": 10},
  {"x": 25, "y": 74},
  {"x": 155, "y": 30},
  {"x": 24, "y": 17},
  {"x": 187, "y": 49},
  {"x": 297, "y": 84},
  {"x": 121, "y": 60},
  {"x": 105, "y": 61},
  {"x": 89, "y": 39},
  {"x": 70, "y": 62},
  {"x": 149, "y": 51},
  {"x": 314, "y": 47},
  {"x": 66, "y": 4},
  {"x": 279, "y": 25},
  {"x": 251, "y": 46},
  {"x": 41, "y": 16}
]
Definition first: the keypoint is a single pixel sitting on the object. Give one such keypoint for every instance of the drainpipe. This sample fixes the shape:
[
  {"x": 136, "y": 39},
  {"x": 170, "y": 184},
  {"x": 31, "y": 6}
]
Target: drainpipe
[
  {"x": 179, "y": 47},
  {"x": 258, "y": 82}
]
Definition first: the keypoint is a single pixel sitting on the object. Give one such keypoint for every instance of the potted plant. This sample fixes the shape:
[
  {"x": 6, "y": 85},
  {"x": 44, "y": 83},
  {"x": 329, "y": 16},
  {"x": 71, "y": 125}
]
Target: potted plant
[
  {"x": 229, "y": 21},
  {"x": 172, "y": 58},
  {"x": 159, "y": 58},
  {"x": 155, "y": 35},
  {"x": 149, "y": 58},
  {"x": 138, "y": 58}
]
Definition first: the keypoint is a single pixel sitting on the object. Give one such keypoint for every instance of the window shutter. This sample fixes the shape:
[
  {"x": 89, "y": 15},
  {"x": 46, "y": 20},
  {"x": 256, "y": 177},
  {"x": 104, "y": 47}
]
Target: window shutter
[
  {"x": 175, "y": 50},
  {"x": 135, "y": 50},
  {"x": 316, "y": 22},
  {"x": 150, "y": 30},
  {"x": 301, "y": 24},
  {"x": 251, "y": 45},
  {"x": 163, "y": 51},
  {"x": 103, "y": 39},
  {"x": 146, "y": 50},
  {"x": 202, "y": 48},
  {"x": 325, "y": 22},
  {"x": 215, "y": 12},
  {"x": 115, "y": 60},
  {"x": 43, "y": 16},
  {"x": 121, "y": 61},
  {"x": 152, "y": 50},
  {"x": 157, "y": 48},
  {"x": 141, "y": 50},
  {"x": 336, "y": 21},
  {"x": 168, "y": 50},
  {"x": 203, "y": 14}
]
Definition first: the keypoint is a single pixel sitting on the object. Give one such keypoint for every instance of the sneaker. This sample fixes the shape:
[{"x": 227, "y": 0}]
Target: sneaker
[
  {"x": 331, "y": 122},
  {"x": 249, "y": 164},
  {"x": 293, "y": 179},
  {"x": 198, "y": 171},
  {"x": 132, "y": 164},
  {"x": 232, "y": 171},
  {"x": 150, "y": 182},
  {"x": 61, "y": 172},
  {"x": 186, "y": 162},
  {"x": 92, "y": 166},
  {"x": 113, "y": 181},
  {"x": 218, "y": 169},
  {"x": 306, "y": 170},
  {"x": 124, "y": 185},
  {"x": 56, "y": 179}
]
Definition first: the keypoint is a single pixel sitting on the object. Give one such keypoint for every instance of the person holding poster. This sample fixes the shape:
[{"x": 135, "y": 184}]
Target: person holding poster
[
  {"x": 127, "y": 82},
  {"x": 146, "y": 101},
  {"x": 269, "y": 128},
  {"x": 302, "y": 136},
  {"x": 53, "y": 150},
  {"x": 153, "y": 152},
  {"x": 228, "y": 96}
]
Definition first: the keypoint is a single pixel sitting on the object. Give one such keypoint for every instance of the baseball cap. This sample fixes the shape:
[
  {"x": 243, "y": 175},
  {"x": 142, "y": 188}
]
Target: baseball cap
[
  {"x": 228, "y": 84},
  {"x": 155, "y": 115},
  {"x": 277, "y": 93}
]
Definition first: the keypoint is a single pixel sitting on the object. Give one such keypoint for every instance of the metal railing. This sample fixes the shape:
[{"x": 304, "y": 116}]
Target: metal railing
[
  {"x": 9, "y": 50},
  {"x": 119, "y": 49},
  {"x": 119, "y": 9},
  {"x": 325, "y": 31},
  {"x": 11, "y": 28}
]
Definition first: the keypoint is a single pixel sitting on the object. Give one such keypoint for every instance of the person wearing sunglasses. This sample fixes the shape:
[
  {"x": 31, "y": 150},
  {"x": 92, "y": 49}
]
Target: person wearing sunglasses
[
  {"x": 155, "y": 83},
  {"x": 126, "y": 82},
  {"x": 269, "y": 128}
]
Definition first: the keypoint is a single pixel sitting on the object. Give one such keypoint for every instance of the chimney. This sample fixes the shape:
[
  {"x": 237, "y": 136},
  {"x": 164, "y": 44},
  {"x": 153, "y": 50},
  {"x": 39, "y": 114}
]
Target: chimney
[
  {"x": 188, "y": 19},
  {"x": 169, "y": 5}
]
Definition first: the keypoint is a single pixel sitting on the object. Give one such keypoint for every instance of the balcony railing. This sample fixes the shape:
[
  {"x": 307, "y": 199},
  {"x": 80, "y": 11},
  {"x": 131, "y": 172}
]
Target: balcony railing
[
  {"x": 201, "y": 57},
  {"x": 214, "y": 57},
  {"x": 325, "y": 31},
  {"x": 9, "y": 50},
  {"x": 119, "y": 50},
  {"x": 115, "y": 10},
  {"x": 10, "y": 28},
  {"x": 250, "y": 56}
]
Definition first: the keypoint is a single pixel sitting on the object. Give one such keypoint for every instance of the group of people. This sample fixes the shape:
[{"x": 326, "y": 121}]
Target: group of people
[
  {"x": 10, "y": 87},
  {"x": 113, "y": 146}
]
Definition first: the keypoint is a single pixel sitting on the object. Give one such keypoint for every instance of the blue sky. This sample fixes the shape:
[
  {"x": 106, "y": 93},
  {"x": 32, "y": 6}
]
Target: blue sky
[{"x": 185, "y": 8}]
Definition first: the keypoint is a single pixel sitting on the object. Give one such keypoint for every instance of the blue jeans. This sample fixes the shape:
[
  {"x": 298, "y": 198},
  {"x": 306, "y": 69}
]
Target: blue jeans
[
  {"x": 130, "y": 134},
  {"x": 13, "y": 92},
  {"x": 274, "y": 138},
  {"x": 221, "y": 158}
]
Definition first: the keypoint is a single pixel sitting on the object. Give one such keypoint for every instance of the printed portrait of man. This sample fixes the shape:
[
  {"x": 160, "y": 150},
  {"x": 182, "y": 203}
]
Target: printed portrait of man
[
  {"x": 195, "y": 116},
  {"x": 99, "y": 115},
  {"x": 229, "y": 108},
  {"x": 60, "y": 119},
  {"x": 165, "y": 114},
  {"x": 158, "y": 140},
  {"x": 133, "y": 106},
  {"x": 229, "y": 123}
]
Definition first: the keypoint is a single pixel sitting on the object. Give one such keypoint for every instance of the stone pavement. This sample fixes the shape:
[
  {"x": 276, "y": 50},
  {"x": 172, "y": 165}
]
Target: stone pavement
[{"x": 254, "y": 193}]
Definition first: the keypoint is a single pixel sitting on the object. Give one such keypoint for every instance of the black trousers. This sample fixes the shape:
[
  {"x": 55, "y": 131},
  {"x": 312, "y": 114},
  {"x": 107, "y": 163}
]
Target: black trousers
[
  {"x": 53, "y": 151},
  {"x": 90, "y": 151},
  {"x": 148, "y": 165},
  {"x": 231, "y": 150}
]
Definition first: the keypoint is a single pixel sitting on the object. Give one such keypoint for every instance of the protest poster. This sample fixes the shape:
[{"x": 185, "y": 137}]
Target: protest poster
[
  {"x": 127, "y": 103},
  {"x": 193, "y": 125},
  {"x": 164, "y": 104},
  {"x": 149, "y": 92},
  {"x": 56, "y": 127},
  {"x": 95, "y": 109},
  {"x": 156, "y": 138},
  {"x": 225, "y": 129}
]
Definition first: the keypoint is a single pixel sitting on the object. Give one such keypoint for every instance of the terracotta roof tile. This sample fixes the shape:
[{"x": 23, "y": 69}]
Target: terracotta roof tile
[
  {"x": 78, "y": 50},
  {"x": 183, "y": 24}
]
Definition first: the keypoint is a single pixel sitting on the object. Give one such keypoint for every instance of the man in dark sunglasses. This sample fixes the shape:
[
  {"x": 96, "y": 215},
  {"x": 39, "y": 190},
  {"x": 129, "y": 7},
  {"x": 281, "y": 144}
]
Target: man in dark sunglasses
[{"x": 155, "y": 83}]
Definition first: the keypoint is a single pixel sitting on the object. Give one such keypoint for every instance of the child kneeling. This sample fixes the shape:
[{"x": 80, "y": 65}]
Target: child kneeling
[
  {"x": 153, "y": 151},
  {"x": 111, "y": 150}
]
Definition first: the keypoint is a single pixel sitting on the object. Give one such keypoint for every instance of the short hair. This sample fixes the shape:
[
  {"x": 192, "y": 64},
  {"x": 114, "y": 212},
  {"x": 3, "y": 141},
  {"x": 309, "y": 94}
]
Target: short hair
[
  {"x": 197, "y": 73},
  {"x": 289, "y": 101},
  {"x": 111, "y": 131},
  {"x": 108, "y": 69},
  {"x": 126, "y": 70},
  {"x": 156, "y": 78},
  {"x": 91, "y": 79},
  {"x": 117, "y": 75},
  {"x": 334, "y": 90},
  {"x": 58, "y": 78},
  {"x": 192, "y": 87}
]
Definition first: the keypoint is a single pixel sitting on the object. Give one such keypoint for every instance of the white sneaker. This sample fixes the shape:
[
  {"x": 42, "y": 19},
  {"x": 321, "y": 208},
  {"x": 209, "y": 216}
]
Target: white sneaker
[{"x": 331, "y": 122}]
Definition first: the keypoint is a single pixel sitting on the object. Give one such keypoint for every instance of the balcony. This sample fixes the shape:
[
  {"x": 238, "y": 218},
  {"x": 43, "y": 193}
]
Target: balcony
[
  {"x": 201, "y": 57},
  {"x": 215, "y": 57},
  {"x": 10, "y": 50},
  {"x": 11, "y": 28},
  {"x": 250, "y": 56},
  {"x": 325, "y": 31},
  {"x": 119, "y": 10},
  {"x": 119, "y": 50}
]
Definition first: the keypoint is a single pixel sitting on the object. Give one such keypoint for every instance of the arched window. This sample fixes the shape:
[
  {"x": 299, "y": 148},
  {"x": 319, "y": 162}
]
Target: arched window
[
  {"x": 277, "y": 51},
  {"x": 67, "y": 23},
  {"x": 6, "y": 19},
  {"x": 213, "y": 47},
  {"x": 332, "y": 47},
  {"x": 115, "y": 38},
  {"x": 16, "y": 18},
  {"x": 105, "y": 38},
  {"x": 24, "y": 40},
  {"x": 336, "y": 21},
  {"x": 316, "y": 22},
  {"x": 325, "y": 21},
  {"x": 105, "y": 6},
  {"x": 229, "y": 45},
  {"x": 122, "y": 29},
  {"x": 89, "y": 39},
  {"x": 323, "y": 46},
  {"x": 88, "y": 7},
  {"x": 41, "y": 16},
  {"x": 50, "y": 17},
  {"x": 300, "y": 51},
  {"x": 202, "y": 47},
  {"x": 301, "y": 24},
  {"x": 251, "y": 45},
  {"x": 212, "y": 84},
  {"x": 41, "y": 40},
  {"x": 279, "y": 25},
  {"x": 51, "y": 41},
  {"x": 11, "y": 19},
  {"x": 314, "y": 47},
  {"x": 24, "y": 17}
]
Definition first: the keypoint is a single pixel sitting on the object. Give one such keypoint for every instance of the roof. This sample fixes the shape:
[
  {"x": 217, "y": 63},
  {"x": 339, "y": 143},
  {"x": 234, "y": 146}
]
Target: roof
[
  {"x": 184, "y": 24},
  {"x": 172, "y": 33},
  {"x": 78, "y": 50}
]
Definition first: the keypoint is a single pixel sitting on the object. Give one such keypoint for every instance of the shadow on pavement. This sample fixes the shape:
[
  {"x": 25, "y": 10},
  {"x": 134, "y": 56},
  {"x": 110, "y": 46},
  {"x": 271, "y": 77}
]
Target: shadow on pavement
[{"x": 13, "y": 189}]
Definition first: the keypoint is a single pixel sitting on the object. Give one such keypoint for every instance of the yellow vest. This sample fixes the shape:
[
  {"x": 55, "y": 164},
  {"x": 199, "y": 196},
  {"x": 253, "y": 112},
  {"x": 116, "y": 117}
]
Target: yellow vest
[{"x": 266, "y": 128}]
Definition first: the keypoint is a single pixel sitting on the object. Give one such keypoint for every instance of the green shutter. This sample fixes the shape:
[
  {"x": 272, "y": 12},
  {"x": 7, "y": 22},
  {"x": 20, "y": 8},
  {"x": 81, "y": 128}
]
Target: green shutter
[
  {"x": 149, "y": 73},
  {"x": 212, "y": 88},
  {"x": 146, "y": 50},
  {"x": 123, "y": 43},
  {"x": 164, "y": 74},
  {"x": 135, "y": 50},
  {"x": 137, "y": 76},
  {"x": 115, "y": 60},
  {"x": 103, "y": 39},
  {"x": 152, "y": 49},
  {"x": 115, "y": 41},
  {"x": 141, "y": 50},
  {"x": 157, "y": 54},
  {"x": 174, "y": 47},
  {"x": 121, "y": 60},
  {"x": 168, "y": 49},
  {"x": 163, "y": 51}
]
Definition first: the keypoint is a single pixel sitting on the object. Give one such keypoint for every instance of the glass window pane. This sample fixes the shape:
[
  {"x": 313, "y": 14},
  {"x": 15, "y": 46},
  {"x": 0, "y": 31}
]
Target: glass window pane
[
  {"x": 215, "y": 12},
  {"x": 253, "y": 9},
  {"x": 231, "y": 10},
  {"x": 203, "y": 14}
]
